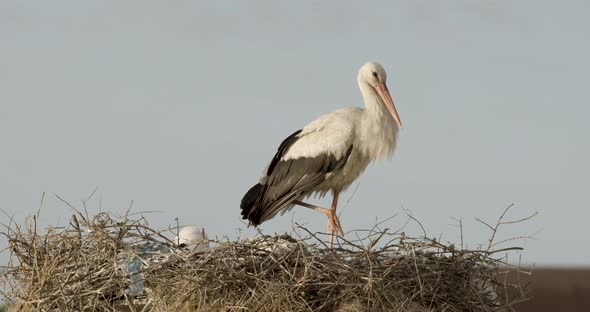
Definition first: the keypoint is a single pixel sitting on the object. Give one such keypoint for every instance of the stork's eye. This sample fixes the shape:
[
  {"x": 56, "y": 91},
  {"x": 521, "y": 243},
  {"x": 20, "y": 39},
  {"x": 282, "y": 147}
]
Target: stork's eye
[{"x": 375, "y": 75}]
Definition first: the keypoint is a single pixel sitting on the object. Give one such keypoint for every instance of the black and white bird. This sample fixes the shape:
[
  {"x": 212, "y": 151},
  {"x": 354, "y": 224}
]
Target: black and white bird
[{"x": 328, "y": 154}]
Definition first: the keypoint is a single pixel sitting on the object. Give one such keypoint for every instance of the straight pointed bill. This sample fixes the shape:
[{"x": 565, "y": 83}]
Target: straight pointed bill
[{"x": 388, "y": 101}]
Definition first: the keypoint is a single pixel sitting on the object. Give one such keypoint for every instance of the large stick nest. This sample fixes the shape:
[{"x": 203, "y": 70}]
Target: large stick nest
[{"x": 87, "y": 267}]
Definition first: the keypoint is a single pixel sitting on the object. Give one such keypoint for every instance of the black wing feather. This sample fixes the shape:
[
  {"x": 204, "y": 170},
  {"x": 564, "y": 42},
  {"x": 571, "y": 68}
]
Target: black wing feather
[{"x": 281, "y": 151}]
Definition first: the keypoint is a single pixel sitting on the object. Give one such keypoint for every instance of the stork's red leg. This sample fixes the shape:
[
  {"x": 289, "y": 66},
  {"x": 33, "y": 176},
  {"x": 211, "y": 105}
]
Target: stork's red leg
[
  {"x": 333, "y": 220},
  {"x": 327, "y": 212},
  {"x": 310, "y": 206},
  {"x": 334, "y": 216}
]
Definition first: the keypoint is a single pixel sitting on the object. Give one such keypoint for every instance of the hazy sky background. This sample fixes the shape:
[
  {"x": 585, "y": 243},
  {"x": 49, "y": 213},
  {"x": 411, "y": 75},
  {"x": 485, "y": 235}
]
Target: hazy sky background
[{"x": 179, "y": 105}]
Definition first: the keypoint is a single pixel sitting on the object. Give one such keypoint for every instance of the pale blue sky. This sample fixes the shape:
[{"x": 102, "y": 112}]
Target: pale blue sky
[{"x": 179, "y": 105}]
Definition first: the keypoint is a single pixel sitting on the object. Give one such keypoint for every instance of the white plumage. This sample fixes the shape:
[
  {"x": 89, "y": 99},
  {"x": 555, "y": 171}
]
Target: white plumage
[
  {"x": 192, "y": 238},
  {"x": 328, "y": 154}
]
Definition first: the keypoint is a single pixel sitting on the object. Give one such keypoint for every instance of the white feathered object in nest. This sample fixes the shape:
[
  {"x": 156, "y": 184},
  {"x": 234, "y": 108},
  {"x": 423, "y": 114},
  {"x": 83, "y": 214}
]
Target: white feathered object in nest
[{"x": 192, "y": 238}]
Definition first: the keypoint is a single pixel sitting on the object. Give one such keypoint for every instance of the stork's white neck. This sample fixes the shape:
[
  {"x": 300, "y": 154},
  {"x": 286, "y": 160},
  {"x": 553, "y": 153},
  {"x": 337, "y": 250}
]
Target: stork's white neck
[
  {"x": 377, "y": 130},
  {"x": 373, "y": 104}
]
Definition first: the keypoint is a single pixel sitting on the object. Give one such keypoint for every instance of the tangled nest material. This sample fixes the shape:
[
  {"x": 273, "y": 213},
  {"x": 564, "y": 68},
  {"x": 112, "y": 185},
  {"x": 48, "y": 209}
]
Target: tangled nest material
[{"x": 87, "y": 268}]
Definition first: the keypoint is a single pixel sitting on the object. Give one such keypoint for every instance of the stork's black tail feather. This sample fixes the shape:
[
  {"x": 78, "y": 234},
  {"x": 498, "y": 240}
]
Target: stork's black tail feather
[{"x": 248, "y": 202}]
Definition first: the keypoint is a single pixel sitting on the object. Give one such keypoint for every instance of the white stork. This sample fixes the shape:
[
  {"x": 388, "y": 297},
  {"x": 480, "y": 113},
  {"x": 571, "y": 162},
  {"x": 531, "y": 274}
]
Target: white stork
[{"x": 328, "y": 154}]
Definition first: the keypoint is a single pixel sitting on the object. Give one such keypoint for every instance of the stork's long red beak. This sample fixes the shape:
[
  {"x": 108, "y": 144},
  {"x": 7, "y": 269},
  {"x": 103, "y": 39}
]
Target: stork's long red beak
[{"x": 388, "y": 101}]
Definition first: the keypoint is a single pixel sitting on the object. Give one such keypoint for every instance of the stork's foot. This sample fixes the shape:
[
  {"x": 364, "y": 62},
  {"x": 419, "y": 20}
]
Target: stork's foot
[
  {"x": 333, "y": 225},
  {"x": 333, "y": 220}
]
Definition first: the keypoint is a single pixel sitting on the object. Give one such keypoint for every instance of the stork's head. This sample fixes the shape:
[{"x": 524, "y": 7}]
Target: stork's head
[{"x": 373, "y": 75}]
